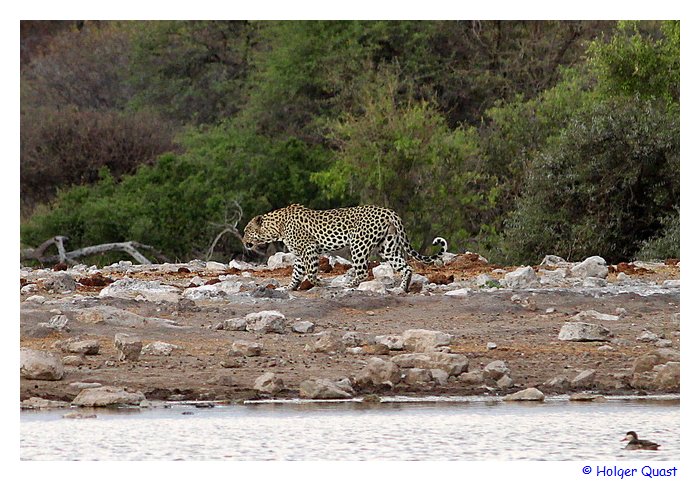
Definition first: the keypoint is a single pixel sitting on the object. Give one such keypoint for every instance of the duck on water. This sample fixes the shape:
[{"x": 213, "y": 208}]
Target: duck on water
[{"x": 636, "y": 443}]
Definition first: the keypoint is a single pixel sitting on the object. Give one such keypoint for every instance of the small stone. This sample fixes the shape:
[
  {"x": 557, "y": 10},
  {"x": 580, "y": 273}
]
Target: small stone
[
  {"x": 583, "y": 331},
  {"x": 591, "y": 267},
  {"x": 473, "y": 377},
  {"x": 245, "y": 349},
  {"x": 529, "y": 394},
  {"x": 269, "y": 383},
  {"x": 491, "y": 345},
  {"x": 40, "y": 365},
  {"x": 495, "y": 369},
  {"x": 303, "y": 327},
  {"x": 587, "y": 397},
  {"x": 107, "y": 396},
  {"x": 323, "y": 389},
  {"x": 266, "y": 322},
  {"x": 521, "y": 278},
  {"x": 159, "y": 348},
  {"x": 129, "y": 346},
  {"x": 393, "y": 342},
  {"x": 234, "y": 325},
  {"x": 505, "y": 382}
]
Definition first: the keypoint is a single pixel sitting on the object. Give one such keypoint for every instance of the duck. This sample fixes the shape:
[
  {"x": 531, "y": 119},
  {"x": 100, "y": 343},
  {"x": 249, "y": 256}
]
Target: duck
[{"x": 636, "y": 443}]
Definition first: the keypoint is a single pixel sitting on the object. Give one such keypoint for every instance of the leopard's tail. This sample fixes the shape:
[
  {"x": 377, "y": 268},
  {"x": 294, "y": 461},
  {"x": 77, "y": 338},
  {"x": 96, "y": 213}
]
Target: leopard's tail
[{"x": 435, "y": 257}]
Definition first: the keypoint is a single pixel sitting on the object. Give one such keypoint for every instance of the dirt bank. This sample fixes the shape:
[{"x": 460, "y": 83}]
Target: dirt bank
[{"x": 524, "y": 330}]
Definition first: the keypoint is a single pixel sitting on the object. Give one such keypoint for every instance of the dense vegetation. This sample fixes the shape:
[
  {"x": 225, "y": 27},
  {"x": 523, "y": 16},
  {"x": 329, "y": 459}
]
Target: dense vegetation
[{"x": 513, "y": 139}]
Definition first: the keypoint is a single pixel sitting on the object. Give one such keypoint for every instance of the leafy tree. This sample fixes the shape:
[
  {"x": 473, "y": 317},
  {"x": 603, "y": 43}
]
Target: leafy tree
[
  {"x": 192, "y": 71},
  {"x": 393, "y": 154},
  {"x": 601, "y": 186}
]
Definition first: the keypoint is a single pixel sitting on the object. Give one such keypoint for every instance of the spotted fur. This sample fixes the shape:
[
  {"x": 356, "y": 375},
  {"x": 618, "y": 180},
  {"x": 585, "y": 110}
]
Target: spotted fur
[{"x": 308, "y": 233}]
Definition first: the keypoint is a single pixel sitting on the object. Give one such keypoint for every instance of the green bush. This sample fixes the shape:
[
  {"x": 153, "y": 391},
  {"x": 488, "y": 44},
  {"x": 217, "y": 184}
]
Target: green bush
[
  {"x": 404, "y": 156},
  {"x": 601, "y": 186},
  {"x": 667, "y": 245},
  {"x": 178, "y": 205}
]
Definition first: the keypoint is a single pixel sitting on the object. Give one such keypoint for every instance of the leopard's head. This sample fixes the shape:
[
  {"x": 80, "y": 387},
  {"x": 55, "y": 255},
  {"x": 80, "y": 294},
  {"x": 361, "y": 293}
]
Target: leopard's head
[{"x": 260, "y": 230}]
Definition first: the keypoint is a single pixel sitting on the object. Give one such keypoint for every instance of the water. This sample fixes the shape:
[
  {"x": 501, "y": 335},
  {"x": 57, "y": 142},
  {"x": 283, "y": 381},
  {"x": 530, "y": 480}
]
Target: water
[{"x": 438, "y": 431}]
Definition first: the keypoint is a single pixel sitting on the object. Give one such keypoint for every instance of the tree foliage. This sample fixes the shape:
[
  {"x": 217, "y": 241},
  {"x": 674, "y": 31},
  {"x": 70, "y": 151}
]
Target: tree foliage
[{"x": 512, "y": 138}]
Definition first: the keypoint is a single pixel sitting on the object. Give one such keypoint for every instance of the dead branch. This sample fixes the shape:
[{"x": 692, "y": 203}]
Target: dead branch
[
  {"x": 229, "y": 226},
  {"x": 129, "y": 247}
]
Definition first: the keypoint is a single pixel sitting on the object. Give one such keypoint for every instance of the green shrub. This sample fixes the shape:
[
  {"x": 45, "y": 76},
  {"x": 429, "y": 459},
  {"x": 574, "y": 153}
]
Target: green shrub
[
  {"x": 178, "y": 205},
  {"x": 601, "y": 186},
  {"x": 666, "y": 245}
]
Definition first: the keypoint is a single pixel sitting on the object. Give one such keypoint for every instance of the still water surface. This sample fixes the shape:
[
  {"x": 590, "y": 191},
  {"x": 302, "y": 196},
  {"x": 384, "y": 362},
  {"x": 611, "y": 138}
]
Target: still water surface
[{"x": 438, "y": 431}]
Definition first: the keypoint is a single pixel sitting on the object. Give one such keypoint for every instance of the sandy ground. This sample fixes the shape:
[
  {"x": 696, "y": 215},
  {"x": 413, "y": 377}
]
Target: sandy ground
[{"x": 524, "y": 330}]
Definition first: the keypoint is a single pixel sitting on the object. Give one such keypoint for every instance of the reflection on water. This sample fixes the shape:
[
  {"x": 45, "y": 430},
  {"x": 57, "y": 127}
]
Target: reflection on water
[{"x": 466, "y": 431}]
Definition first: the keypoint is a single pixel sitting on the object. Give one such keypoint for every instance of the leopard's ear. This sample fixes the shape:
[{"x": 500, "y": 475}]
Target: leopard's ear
[{"x": 257, "y": 220}]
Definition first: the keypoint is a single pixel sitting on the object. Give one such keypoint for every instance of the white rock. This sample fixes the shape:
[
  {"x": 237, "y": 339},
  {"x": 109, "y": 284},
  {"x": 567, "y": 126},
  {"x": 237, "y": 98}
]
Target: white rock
[
  {"x": 453, "y": 364},
  {"x": 551, "y": 260},
  {"x": 393, "y": 342},
  {"x": 521, "y": 278},
  {"x": 583, "y": 331},
  {"x": 422, "y": 340},
  {"x": 159, "y": 348},
  {"x": 280, "y": 259},
  {"x": 303, "y": 327},
  {"x": 266, "y": 321},
  {"x": 216, "y": 266},
  {"x": 496, "y": 369},
  {"x": 529, "y": 394},
  {"x": 384, "y": 273},
  {"x": 245, "y": 348},
  {"x": 213, "y": 291},
  {"x": 372, "y": 286},
  {"x": 594, "y": 266},
  {"x": 323, "y": 389},
  {"x": 269, "y": 383},
  {"x": 128, "y": 345},
  {"x": 378, "y": 372},
  {"x": 240, "y": 265},
  {"x": 671, "y": 283},
  {"x": 153, "y": 291},
  {"x": 36, "y": 299},
  {"x": 107, "y": 396},
  {"x": 40, "y": 365},
  {"x": 584, "y": 378},
  {"x": 234, "y": 325}
]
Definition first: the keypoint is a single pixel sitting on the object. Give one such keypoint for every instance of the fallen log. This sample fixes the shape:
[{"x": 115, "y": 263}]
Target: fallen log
[{"x": 129, "y": 247}]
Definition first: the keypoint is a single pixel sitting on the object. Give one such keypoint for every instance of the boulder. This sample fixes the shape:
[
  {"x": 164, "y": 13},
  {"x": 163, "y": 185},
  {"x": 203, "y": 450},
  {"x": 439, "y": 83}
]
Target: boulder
[
  {"x": 323, "y": 389},
  {"x": 355, "y": 339},
  {"x": 40, "y": 365},
  {"x": 583, "y": 331},
  {"x": 584, "y": 379},
  {"x": 60, "y": 282},
  {"x": 505, "y": 382},
  {"x": 668, "y": 376},
  {"x": 378, "y": 372},
  {"x": 152, "y": 291},
  {"x": 453, "y": 364},
  {"x": 422, "y": 340},
  {"x": 280, "y": 259},
  {"x": 384, "y": 273},
  {"x": 220, "y": 290},
  {"x": 158, "y": 348},
  {"x": 303, "y": 327},
  {"x": 529, "y": 394},
  {"x": 245, "y": 349},
  {"x": 495, "y": 370},
  {"x": 393, "y": 342},
  {"x": 129, "y": 346},
  {"x": 107, "y": 396},
  {"x": 40, "y": 403},
  {"x": 266, "y": 322},
  {"x": 552, "y": 260},
  {"x": 375, "y": 286},
  {"x": 471, "y": 378},
  {"x": 521, "y": 278},
  {"x": 234, "y": 325},
  {"x": 327, "y": 342},
  {"x": 76, "y": 345},
  {"x": 269, "y": 383},
  {"x": 110, "y": 315},
  {"x": 417, "y": 376},
  {"x": 591, "y": 267}
]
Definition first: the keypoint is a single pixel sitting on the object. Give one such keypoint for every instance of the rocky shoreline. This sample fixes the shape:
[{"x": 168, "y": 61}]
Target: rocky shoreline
[{"x": 204, "y": 331}]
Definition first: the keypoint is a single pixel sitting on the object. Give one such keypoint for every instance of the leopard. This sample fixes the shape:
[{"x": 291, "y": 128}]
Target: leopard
[{"x": 308, "y": 233}]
